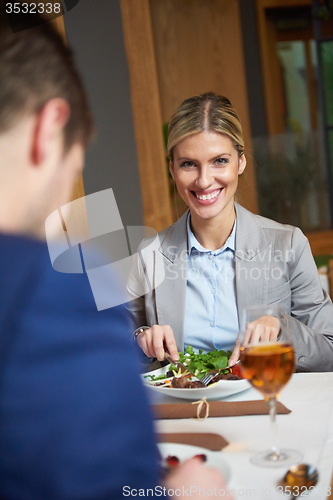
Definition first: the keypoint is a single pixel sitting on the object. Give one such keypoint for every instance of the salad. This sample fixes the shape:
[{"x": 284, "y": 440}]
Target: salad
[
  {"x": 198, "y": 364},
  {"x": 201, "y": 363}
]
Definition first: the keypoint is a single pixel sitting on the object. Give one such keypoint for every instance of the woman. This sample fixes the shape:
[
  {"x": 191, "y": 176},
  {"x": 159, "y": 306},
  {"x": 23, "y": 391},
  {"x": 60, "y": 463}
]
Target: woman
[{"x": 219, "y": 258}]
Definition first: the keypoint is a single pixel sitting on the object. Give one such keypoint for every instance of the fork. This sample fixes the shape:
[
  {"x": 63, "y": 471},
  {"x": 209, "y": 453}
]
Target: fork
[
  {"x": 210, "y": 375},
  {"x": 184, "y": 369}
]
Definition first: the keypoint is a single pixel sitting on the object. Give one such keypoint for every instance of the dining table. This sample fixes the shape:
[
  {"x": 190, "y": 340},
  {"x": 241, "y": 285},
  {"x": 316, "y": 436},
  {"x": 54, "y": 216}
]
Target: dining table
[{"x": 308, "y": 428}]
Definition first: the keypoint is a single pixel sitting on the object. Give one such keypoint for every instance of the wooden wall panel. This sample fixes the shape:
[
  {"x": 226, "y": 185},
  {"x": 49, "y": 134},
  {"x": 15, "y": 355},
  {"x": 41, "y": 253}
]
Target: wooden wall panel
[
  {"x": 59, "y": 25},
  {"x": 139, "y": 45},
  {"x": 321, "y": 242},
  {"x": 77, "y": 218},
  {"x": 78, "y": 190},
  {"x": 198, "y": 46}
]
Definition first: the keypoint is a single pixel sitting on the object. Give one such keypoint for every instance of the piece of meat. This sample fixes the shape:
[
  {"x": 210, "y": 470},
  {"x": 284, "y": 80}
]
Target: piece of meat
[
  {"x": 226, "y": 376},
  {"x": 186, "y": 383}
]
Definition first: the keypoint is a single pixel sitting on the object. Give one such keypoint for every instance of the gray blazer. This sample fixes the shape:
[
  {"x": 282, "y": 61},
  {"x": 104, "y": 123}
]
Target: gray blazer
[{"x": 273, "y": 265}]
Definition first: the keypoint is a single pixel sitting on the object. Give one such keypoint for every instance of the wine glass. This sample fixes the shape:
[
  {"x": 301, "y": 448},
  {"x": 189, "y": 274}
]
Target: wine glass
[{"x": 267, "y": 362}]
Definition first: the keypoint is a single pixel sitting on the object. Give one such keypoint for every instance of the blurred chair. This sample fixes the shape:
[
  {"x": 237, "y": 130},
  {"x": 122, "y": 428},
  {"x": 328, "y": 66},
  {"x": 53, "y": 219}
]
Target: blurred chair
[
  {"x": 325, "y": 269},
  {"x": 321, "y": 243},
  {"x": 330, "y": 276}
]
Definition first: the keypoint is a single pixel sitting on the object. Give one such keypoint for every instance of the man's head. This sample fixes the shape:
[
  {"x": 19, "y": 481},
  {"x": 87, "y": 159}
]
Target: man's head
[
  {"x": 45, "y": 125},
  {"x": 35, "y": 67}
]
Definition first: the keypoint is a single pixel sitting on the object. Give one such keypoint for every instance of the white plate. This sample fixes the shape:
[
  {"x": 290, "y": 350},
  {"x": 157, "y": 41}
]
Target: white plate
[
  {"x": 220, "y": 390},
  {"x": 185, "y": 451}
]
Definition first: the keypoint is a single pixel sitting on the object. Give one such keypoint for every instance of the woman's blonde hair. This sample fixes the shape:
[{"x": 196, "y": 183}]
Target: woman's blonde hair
[{"x": 208, "y": 112}]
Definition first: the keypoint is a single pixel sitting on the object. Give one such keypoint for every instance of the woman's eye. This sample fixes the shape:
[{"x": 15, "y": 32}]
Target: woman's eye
[
  {"x": 221, "y": 161},
  {"x": 187, "y": 164}
]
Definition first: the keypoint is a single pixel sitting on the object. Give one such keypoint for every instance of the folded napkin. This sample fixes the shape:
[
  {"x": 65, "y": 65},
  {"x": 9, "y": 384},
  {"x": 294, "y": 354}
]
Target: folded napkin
[
  {"x": 204, "y": 409},
  {"x": 208, "y": 440}
]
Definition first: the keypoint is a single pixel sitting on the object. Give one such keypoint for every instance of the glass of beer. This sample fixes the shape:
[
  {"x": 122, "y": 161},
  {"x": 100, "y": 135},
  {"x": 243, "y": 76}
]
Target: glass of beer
[{"x": 267, "y": 362}]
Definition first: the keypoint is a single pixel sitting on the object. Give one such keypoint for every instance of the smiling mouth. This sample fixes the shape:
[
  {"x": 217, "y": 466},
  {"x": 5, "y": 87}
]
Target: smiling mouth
[{"x": 209, "y": 196}]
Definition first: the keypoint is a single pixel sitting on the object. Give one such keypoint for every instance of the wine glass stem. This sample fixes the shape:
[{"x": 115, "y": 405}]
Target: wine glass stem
[{"x": 272, "y": 413}]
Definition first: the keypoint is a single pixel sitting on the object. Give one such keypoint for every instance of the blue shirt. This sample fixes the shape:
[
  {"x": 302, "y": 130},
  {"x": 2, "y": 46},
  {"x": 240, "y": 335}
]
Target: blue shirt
[{"x": 211, "y": 318}]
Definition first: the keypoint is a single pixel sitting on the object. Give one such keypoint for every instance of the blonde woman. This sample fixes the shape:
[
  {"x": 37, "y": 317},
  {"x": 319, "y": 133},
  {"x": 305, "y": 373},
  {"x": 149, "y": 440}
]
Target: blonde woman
[{"x": 219, "y": 258}]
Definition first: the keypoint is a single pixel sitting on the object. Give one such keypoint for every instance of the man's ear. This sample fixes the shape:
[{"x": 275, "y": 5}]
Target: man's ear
[
  {"x": 49, "y": 125},
  {"x": 241, "y": 164}
]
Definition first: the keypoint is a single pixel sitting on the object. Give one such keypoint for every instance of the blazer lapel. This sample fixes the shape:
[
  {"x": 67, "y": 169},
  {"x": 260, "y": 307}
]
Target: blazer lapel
[
  {"x": 171, "y": 259},
  {"x": 252, "y": 255}
]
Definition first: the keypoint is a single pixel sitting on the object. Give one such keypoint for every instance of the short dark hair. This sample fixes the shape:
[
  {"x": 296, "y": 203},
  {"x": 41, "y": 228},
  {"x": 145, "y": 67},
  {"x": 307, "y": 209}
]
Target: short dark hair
[{"x": 36, "y": 66}]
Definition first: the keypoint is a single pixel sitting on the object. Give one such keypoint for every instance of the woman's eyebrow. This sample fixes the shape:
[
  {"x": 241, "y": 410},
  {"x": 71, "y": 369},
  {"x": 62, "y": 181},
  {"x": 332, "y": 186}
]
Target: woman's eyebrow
[
  {"x": 219, "y": 156},
  {"x": 211, "y": 159},
  {"x": 185, "y": 158}
]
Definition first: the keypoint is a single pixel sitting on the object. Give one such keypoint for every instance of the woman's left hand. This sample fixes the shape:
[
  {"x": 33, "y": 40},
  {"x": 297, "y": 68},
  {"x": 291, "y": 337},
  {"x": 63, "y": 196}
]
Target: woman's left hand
[{"x": 263, "y": 329}]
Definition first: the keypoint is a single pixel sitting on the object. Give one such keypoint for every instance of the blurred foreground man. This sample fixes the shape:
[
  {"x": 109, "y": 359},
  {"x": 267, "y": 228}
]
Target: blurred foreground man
[{"x": 74, "y": 424}]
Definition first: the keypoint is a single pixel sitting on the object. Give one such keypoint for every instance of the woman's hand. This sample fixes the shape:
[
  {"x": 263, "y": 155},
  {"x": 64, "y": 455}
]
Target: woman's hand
[
  {"x": 156, "y": 340},
  {"x": 266, "y": 328},
  {"x": 192, "y": 478}
]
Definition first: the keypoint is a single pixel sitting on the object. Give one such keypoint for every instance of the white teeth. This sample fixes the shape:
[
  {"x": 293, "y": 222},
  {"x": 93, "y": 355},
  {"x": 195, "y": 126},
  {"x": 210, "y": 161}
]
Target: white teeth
[{"x": 209, "y": 196}]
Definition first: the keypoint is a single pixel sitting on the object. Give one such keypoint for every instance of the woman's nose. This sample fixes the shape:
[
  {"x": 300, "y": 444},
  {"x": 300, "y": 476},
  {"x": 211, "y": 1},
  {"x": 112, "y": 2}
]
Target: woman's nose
[{"x": 205, "y": 177}]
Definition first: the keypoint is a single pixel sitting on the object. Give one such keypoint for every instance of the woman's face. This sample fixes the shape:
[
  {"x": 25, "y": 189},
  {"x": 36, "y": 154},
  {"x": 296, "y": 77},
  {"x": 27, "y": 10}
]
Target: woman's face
[{"x": 205, "y": 168}]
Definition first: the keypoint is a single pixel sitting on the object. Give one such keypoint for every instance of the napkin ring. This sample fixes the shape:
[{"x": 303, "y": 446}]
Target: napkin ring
[{"x": 201, "y": 404}]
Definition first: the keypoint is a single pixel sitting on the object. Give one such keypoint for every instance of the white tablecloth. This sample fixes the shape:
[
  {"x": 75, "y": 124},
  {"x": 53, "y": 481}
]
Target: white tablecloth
[{"x": 309, "y": 429}]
